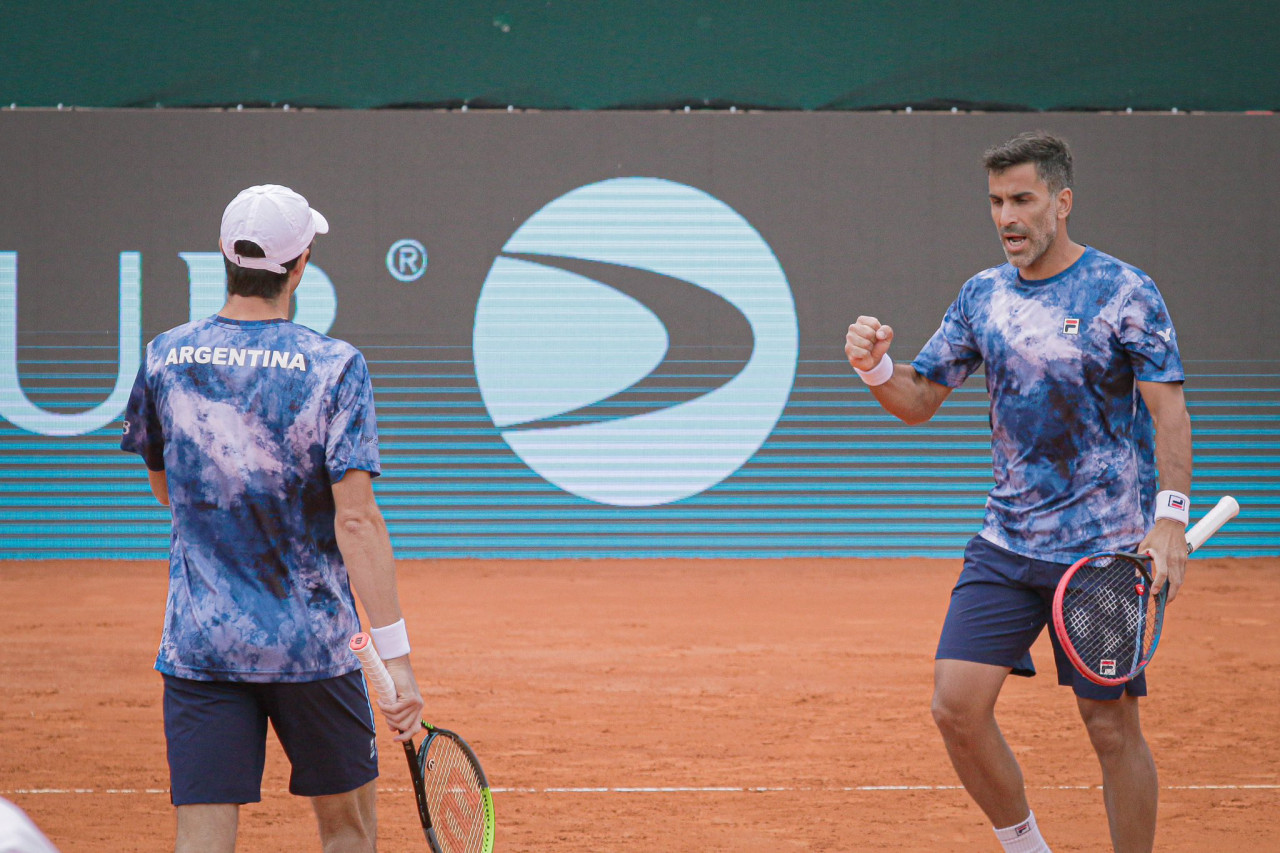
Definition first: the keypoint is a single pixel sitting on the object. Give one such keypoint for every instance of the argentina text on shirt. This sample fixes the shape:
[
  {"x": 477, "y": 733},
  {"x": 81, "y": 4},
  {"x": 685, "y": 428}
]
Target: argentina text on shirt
[{"x": 234, "y": 357}]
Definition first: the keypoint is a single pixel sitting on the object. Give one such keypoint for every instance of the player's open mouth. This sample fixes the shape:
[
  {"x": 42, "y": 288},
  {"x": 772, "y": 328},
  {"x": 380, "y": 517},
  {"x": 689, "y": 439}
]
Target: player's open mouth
[{"x": 1015, "y": 241}]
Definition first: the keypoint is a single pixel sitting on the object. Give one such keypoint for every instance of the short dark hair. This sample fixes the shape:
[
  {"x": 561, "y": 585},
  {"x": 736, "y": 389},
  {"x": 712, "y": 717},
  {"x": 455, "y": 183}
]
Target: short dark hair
[
  {"x": 1050, "y": 153},
  {"x": 264, "y": 284}
]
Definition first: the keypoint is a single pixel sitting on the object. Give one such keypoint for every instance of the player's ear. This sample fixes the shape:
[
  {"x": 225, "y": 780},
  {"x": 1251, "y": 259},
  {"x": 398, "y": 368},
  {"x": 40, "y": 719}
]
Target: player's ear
[
  {"x": 297, "y": 271},
  {"x": 295, "y": 275},
  {"x": 1065, "y": 198}
]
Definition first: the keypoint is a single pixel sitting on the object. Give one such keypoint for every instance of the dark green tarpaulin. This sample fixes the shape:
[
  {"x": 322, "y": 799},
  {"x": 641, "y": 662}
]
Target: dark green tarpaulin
[{"x": 641, "y": 54}]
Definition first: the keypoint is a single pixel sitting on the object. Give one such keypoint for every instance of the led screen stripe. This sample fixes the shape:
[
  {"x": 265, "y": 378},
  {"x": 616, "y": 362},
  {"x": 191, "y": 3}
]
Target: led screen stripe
[{"x": 836, "y": 477}]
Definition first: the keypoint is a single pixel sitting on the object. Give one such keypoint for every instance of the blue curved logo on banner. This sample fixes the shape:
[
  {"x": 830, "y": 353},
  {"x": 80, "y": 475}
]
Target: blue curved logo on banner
[{"x": 550, "y": 340}]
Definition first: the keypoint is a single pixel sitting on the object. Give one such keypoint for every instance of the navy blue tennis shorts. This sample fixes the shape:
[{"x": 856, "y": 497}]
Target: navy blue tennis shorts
[
  {"x": 217, "y": 737},
  {"x": 1000, "y": 603}
]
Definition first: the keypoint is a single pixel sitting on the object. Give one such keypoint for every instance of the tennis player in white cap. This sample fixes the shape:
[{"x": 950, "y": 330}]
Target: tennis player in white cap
[{"x": 261, "y": 436}]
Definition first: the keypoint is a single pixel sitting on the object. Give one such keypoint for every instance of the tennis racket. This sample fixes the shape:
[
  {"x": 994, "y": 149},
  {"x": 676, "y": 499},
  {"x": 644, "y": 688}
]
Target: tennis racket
[
  {"x": 1105, "y": 614},
  {"x": 454, "y": 801}
]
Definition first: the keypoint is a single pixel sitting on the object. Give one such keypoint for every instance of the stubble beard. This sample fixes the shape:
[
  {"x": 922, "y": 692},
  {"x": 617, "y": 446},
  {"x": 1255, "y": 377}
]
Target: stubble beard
[{"x": 1036, "y": 245}]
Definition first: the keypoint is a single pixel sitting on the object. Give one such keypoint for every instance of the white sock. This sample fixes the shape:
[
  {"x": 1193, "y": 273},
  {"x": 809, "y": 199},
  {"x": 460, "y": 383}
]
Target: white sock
[{"x": 1023, "y": 837}]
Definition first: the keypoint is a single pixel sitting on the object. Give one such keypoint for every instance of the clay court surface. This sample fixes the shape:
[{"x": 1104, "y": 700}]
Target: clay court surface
[{"x": 808, "y": 679}]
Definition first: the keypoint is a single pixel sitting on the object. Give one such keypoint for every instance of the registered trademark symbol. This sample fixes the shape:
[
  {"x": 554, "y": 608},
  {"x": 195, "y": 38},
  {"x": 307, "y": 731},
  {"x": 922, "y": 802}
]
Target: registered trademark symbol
[{"x": 407, "y": 260}]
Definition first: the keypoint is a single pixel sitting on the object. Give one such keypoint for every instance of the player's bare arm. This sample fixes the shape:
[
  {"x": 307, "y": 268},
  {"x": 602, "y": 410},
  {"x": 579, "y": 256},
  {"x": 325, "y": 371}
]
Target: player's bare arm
[
  {"x": 906, "y": 395},
  {"x": 366, "y": 550},
  {"x": 1166, "y": 538},
  {"x": 159, "y": 485}
]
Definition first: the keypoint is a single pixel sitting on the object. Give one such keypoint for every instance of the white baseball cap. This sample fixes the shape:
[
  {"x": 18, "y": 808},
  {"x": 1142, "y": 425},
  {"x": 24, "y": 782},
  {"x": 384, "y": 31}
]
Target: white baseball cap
[{"x": 277, "y": 219}]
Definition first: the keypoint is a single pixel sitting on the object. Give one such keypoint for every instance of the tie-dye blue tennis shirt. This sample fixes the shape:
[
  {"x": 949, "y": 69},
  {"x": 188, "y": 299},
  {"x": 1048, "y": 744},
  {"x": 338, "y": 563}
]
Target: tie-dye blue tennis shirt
[
  {"x": 1072, "y": 443},
  {"x": 252, "y": 422}
]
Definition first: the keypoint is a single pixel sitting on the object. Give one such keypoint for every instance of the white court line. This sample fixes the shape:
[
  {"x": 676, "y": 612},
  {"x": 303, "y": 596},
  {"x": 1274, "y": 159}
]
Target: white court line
[{"x": 725, "y": 789}]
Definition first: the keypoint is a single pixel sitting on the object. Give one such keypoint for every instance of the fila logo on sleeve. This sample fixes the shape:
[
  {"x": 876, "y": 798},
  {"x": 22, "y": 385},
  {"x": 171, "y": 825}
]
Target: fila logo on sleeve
[
  {"x": 1178, "y": 503},
  {"x": 1071, "y": 326}
]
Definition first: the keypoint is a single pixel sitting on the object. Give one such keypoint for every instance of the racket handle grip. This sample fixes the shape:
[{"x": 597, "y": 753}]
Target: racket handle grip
[
  {"x": 374, "y": 669},
  {"x": 1225, "y": 510}
]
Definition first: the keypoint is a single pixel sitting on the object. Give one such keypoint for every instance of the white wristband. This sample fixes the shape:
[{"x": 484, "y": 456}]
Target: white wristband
[
  {"x": 879, "y": 374},
  {"x": 1175, "y": 505},
  {"x": 391, "y": 641}
]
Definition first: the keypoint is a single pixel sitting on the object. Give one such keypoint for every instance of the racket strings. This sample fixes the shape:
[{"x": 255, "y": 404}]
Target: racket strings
[
  {"x": 454, "y": 797},
  {"x": 1109, "y": 619}
]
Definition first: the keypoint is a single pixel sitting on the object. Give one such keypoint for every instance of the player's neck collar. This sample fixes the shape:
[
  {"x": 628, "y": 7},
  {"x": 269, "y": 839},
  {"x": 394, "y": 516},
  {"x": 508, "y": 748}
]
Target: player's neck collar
[
  {"x": 1041, "y": 282},
  {"x": 244, "y": 323}
]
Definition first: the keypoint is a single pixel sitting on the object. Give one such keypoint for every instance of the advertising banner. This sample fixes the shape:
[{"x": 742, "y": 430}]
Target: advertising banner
[{"x": 613, "y": 334}]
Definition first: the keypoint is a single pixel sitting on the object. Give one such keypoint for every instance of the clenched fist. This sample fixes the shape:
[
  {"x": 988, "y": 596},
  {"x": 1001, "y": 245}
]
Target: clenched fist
[{"x": 866, "y": 342}]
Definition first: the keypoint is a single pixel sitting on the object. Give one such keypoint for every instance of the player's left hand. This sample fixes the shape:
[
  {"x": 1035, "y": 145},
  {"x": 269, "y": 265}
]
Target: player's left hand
[{"x": 1166, "y": 542}]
